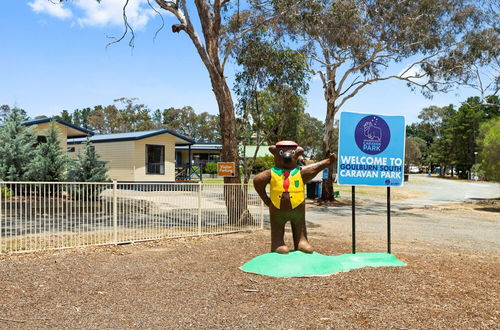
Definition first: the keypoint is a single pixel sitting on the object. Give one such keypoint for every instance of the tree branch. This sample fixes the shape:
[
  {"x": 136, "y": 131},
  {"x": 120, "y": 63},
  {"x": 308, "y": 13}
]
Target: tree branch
[{"x": 183, "y": 17}]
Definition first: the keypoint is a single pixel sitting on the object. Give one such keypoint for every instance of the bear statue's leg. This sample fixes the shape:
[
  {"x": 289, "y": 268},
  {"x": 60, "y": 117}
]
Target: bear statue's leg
[
  {"x": 277, "y": 232},
  {"x": 299, "y": 230}
]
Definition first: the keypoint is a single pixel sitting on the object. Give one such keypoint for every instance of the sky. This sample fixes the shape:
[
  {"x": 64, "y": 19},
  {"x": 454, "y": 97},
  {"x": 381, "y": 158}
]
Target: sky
[{"x": 54, "y": 57}]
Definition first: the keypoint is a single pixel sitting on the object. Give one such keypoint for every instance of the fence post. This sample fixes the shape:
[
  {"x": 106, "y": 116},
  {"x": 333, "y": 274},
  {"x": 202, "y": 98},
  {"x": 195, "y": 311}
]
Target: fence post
[
  {"x": 199, "y": 207},
  {"x": 115, "y": 212},
  {"x": 261, "y": 214},
  {"x": 1, "y": 219}
]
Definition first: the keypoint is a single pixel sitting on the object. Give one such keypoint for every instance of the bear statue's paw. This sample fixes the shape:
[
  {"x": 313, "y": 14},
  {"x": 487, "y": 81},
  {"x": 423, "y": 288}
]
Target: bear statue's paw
[
  {"x": 304, "y": 246},
  {"x": 283, "y": 249}
]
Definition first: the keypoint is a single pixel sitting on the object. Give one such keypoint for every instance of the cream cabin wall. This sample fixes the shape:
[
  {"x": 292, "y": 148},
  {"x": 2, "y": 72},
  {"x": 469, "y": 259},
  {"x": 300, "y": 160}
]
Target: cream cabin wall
[
  {"x": 166, "y": 140},
  {"x": 43, "y": 129},
  {"x": 117, "y": 155}
]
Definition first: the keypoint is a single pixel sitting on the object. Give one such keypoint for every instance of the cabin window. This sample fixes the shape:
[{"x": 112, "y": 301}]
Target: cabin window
[
  {"x": 71, "y": 149},
  {"x": 155, "y": 159}
]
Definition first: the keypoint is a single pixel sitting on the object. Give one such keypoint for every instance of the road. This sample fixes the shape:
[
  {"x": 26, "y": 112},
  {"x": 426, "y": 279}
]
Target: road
[{"x": 430, "y": 218}]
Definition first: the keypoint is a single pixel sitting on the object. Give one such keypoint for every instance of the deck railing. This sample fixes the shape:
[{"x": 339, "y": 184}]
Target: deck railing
[{"x": 48, "y": 215}]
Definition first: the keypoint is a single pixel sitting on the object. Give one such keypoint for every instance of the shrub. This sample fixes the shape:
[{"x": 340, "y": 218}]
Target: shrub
[
  {"x": 211, "y": 168},
  {"x": 88, "y": 167},
  {"x": 263, "y": 163},
  {"x": 5, "y": 192}
]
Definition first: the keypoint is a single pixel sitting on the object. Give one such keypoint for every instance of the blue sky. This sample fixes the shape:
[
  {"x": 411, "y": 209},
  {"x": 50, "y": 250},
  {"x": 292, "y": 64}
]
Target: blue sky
[{"x": 54, "y": 58}]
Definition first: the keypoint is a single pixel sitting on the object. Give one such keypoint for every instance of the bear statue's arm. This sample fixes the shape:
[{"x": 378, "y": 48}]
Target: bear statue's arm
[
  {"x": 260, "y": 182},
  {"x": 309, "y": 172}
]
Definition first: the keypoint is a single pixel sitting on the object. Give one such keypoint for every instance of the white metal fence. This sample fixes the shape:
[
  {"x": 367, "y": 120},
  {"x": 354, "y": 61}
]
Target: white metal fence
[{"x": 46, "y": 215}]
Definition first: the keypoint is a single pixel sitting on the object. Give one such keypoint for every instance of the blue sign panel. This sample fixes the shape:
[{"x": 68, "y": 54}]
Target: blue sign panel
[{"x": 371, "y": 150}]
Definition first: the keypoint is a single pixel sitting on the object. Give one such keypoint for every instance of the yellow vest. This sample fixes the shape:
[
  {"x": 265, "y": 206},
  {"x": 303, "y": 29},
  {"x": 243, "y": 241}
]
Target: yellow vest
[{"x": 295, "y": 188}]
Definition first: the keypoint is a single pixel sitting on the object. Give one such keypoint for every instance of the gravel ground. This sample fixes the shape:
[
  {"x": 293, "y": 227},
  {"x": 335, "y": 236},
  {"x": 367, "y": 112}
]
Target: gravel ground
[{"x": 196, "y": 283}]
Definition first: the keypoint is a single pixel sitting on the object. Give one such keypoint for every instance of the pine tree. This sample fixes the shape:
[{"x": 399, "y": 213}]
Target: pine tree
[
  {"x": 17, "y": 147},
  {"x": 88, "y": 167},
  {"x": 51, "y": 160}
]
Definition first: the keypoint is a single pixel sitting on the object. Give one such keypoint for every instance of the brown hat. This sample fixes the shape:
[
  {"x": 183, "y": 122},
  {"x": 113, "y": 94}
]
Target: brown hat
[{"x": 287, "y": 144}]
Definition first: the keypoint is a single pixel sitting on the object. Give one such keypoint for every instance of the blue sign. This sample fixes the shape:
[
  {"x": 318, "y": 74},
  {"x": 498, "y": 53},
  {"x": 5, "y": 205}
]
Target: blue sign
[{"x": 371, "y": 150}]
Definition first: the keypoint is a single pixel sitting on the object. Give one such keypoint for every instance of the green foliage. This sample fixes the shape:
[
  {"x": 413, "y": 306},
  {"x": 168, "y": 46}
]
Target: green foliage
[
  {"x": 263, "y": 163},
  {"x": 131, "y": 117},
  {"x": 270, "y": 87},
  {"x": 210, "y": 168},
  {"x": 5, "y": 192},
  {"x": 310, "y": 135},
  {"x": 455, "y": 134},
  {"x": 51, "y": 160},
  {"x": 4, "y": 111},
  {"x": 489, "y": 143},
  {"x": 202, "y": 127},
  {"x": 413, "y": 154},
  {"x": 88, "y": 167},
  {"x": 16, "y": 147}
]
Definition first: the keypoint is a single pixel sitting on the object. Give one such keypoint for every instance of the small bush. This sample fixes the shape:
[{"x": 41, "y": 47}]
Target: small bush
[
  {"x": 5, "y": 192},
  {"x": 210, "y": 168},
  {"x": 263, "y": 163}
]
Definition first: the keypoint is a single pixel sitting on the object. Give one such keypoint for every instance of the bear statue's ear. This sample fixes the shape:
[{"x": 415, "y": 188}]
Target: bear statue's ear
[
  {"x": 272, "y": 149},
  {"x": 298, "y": 152}
]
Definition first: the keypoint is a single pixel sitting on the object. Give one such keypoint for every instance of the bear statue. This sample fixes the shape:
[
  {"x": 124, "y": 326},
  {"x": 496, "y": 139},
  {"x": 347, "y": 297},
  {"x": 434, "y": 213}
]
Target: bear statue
[{"x": 287, "y": 194}]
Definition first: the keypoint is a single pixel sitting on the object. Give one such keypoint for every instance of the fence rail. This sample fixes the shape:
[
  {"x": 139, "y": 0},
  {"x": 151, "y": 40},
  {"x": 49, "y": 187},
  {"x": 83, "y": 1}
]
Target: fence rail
[{"x": 47, "y": 215}]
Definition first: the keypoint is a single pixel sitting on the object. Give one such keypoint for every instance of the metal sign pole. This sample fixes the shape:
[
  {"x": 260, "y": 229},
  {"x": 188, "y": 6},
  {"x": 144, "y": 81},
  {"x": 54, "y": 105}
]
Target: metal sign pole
[
  {"x": 353, "y": 220},
  {"x": 389, "y": 220}
]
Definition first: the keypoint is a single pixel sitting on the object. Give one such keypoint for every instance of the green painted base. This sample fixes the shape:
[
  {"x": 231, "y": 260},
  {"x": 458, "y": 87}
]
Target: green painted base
[{"x": 299, "y": 264}]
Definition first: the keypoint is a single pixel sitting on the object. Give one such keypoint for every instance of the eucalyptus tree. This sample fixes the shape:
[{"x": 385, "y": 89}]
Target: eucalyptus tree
[
  {"x": 270, "y": 86},
  {"x": 214, "y": 27},
  {"x": 352, "y": 44}
]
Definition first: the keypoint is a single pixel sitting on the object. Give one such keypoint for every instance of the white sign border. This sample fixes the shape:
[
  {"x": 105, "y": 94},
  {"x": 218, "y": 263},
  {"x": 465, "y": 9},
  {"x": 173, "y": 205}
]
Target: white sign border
[{"x": 404, "y": 149}]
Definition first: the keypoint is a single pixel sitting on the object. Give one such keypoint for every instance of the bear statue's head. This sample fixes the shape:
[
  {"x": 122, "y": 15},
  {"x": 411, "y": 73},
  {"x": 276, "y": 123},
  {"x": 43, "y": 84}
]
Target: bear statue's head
[{"x": 286, "y": 154}]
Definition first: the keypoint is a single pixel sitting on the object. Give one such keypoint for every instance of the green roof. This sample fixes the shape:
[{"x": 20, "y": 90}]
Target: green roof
[{"x": 250, "y": 151}]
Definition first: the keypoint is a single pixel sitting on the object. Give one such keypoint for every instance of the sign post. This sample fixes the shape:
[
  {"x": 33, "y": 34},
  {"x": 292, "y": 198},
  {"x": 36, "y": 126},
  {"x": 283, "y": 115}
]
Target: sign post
[{"x": 371, "y": 153}]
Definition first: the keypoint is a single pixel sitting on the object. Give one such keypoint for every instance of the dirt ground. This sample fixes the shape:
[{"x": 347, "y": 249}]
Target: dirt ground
[{"x": 196, "y": 283}]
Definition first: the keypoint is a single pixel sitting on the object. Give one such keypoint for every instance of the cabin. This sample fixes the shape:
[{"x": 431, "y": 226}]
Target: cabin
[
  {"x": 66, "y": 130},
  {"x": 145, "y": 156},
  {"x": 210, "y": 152},
  {"x": 200, "y": 153}
]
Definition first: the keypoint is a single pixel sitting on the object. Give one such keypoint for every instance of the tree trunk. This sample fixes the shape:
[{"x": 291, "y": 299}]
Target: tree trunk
[
  {"x": 234, "y": 195},
  {"x": 327, "y": 186}
]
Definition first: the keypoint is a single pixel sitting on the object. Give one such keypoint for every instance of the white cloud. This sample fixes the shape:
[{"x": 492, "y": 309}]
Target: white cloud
[
  {"x": 414, "y": 73},
  {"x": 110, "y": 12},
  {"x": 93, "y": 13},
  {"x": 53, "y": 9}
]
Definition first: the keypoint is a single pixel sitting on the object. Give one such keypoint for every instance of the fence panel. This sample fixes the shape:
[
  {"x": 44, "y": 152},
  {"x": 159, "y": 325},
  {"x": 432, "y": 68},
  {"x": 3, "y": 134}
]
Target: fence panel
[{"x": 45, "y": 215}]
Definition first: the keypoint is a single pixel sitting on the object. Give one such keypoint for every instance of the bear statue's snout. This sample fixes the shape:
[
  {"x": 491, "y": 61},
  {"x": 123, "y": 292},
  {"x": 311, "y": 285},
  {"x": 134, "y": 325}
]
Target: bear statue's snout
[{"x": 287, "y": 157}]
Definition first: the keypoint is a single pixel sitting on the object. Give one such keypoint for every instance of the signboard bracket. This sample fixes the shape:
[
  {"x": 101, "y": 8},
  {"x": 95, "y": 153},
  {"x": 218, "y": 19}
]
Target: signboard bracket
[
  {"x": 353, "y": 213},
  {"x": 353, "y": 220},
  {"x": 389, "y": 220}
]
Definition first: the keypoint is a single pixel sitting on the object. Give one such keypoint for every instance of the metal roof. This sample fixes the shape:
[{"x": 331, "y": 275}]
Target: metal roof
[
  {"x": 202, "y": 146},
  {"x": 129, "y": 136},
  {"x": 62, "y": 122}
]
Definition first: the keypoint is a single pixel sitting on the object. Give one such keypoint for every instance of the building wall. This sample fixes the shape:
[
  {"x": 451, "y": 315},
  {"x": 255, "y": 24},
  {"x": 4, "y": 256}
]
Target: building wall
[
  {"x": 118, "y": 157},
  {"x": 185, "y": 154},
  {"x": 43, "y": 129},
  {"x": 166, "y": 140}
]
